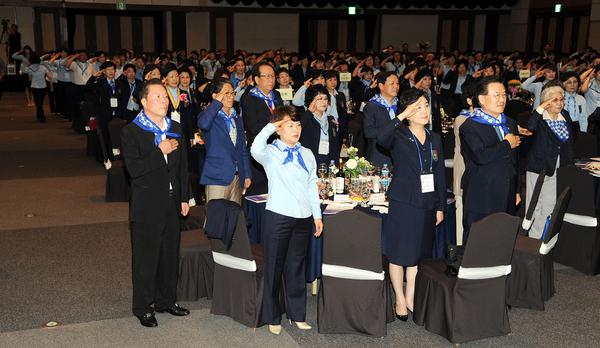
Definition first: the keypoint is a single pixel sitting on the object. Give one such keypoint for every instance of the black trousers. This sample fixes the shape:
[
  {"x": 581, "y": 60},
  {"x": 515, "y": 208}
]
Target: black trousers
[
  {"x": 155, "y": 262},
  {"x": 75, "y": 97},
  {"x": 285, "y": 245},
  {"x": 52, "y": 96},
  {"x": 60, "y": 91},
  {"x": 38, "y": 99}
]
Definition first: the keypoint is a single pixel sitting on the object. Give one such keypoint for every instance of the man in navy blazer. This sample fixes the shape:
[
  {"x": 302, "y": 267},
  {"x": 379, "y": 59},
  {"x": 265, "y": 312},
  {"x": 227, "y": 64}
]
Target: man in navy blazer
[
  {"x": 489, "y": 142},
  {"x": 226, "y": 168}
]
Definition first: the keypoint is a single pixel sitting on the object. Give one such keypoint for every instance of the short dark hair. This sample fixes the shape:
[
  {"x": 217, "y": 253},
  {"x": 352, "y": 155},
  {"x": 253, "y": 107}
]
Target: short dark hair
[
  {"x": 423, "y": 73},
  {"x": 107, "y": 64},
  {"x": 281, "y": 112},
  {"x": 409, "y": 97},
  {"x": 216, "y": 85},
  {"x": 313, "y": 91},
  {"x": 282, "y": 70},
  {"x": 184, "y": 69},
  {"x": 468, "y": 91},
  {"x": 482, "y": 86},
  {"x": 567, "y": 75},
  {"x": 167, "y": 69},
  {"x": 366, "y": 69},
  {"x": 129, "y": 66},
  {"x": 149, "y": 68},
  {"x": 329, "y": 74},
  {"x": 147, "y": 84},
  {"x": 383, "y": 76},
  {"x": 256, "y": 68}
]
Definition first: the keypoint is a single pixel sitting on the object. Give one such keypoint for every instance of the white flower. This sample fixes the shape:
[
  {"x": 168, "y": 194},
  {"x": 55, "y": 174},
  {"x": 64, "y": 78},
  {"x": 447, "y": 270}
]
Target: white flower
[{"x": 351, "y": 164}]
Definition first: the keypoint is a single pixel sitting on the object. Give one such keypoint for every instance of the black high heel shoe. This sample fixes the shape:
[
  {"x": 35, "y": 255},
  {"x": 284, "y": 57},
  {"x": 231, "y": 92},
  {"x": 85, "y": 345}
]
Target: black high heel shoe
[{"x": 403, "y": 317}]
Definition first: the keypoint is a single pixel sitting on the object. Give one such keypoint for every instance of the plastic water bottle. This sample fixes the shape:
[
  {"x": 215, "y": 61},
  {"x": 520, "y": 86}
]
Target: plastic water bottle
[{"x": 385, "y": 177}]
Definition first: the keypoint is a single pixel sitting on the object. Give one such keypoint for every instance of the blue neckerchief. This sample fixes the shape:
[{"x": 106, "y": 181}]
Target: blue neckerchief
[
  {"x": 270, "y": 99},
  {"x": 480, "y": 116},
  {"x": 559, "y": 128},
  {"x": 381, "y": 101},
  {"x": 290, "y": 153},
  {"x": 146, "y": 124},
  {"x": 466, "y": 113},
  {"x": 229, "y": 120}
]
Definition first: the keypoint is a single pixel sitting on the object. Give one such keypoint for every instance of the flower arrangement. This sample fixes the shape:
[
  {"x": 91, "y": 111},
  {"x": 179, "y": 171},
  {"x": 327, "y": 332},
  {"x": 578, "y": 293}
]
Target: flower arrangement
[{"x": 355, "y": 165}]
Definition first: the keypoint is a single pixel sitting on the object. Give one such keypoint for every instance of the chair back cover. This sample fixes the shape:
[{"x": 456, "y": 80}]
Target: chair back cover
[
  {"x": 586, "y": 145},
  {"x": 114, "y": 131},
  {"x": 535, "y": 195},
  {"x": 352, "y": 238},
  {"x": 491, "y": 241},
  {"x": 240, "y": 244},
  {"x": 558, "y": 214},
  {"x": 582, "y": 190},
  {"x": 449, "y": 144}
]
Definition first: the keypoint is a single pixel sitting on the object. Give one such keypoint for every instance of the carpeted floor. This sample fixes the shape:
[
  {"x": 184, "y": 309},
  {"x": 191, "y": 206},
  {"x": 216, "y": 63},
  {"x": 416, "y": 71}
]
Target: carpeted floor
[{"x": 70, "y": 262}]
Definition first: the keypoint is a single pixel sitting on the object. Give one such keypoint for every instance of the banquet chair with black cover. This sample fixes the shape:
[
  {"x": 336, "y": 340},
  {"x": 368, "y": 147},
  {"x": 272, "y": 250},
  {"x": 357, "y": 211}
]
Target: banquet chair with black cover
[
  {"x": 586, "y": 145},
  {"x": 353, "y": 295},
  {"x": 196, "y": 266},
  {"x": 579, "y": 244},
  {"x": 472, "y": 305},
  {"x": 114, "y": 130},
  {"x": 531, "y": 281},
  {"x": 117, "y": 182},
  {"x": 237, "y": 290},
  {"x": 449, "y": 144}
]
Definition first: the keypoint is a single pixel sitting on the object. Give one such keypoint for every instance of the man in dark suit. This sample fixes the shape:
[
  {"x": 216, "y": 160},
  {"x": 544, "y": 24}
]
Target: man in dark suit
[
  {"x": 226, "y": 170},
  {"x": 104, "y": 104},
  {"x": 129, "y": 106},
  {"x": 489, "y": 147},
  {"x": 257, "y": 107},
  {"x": 157, "y": 164}
]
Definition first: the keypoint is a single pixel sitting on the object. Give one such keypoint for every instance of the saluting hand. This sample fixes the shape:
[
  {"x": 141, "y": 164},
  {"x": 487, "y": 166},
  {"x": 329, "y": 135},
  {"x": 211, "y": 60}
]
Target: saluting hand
[
  {"x": 185, "y": 208},
  {"x": 318, "y": 227}
]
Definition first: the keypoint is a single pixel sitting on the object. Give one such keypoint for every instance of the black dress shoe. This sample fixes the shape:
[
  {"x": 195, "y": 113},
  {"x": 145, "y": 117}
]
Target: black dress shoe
[
  {"x": 175, "y": 310},
  {"x": 148, "y": 320},
  {"x": 402, "y": 317}
]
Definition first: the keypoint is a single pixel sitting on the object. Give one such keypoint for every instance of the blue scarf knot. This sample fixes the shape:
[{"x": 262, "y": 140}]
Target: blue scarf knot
[
  {"x": 559, "y": 128},
  {"x": 290, "y": 153},
  {"x": 229, "y": 120},
  {"x": 146, "y": 124},
  {"x": 270, "y": 99},
  {"x": 381, "y": 101},
  {"x": 480, "y": 116}
]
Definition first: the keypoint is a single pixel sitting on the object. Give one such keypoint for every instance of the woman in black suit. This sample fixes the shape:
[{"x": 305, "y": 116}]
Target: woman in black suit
[
  {"x": 551, "y": 148},
  {"x": 417, "y": 194},
  {"x": 319, "y": 130}
]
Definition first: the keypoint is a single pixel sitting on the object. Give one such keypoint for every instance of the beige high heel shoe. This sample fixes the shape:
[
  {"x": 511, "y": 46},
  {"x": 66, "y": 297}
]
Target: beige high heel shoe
[
  {"x": 275, "y": 329},
  {"x": 302, "y": 325}
]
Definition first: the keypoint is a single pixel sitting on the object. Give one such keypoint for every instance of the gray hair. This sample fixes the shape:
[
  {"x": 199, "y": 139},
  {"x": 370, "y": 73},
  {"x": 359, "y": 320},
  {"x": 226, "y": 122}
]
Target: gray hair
[{"x": 546, "y": 92}]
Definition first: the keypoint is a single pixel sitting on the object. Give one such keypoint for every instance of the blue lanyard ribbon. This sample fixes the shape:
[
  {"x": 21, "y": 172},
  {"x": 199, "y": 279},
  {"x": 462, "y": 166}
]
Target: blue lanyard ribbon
[
  {"x": 419, "y": 151},
  {"x": 145, "y": 123},
  {"x": 290, "y": 153}
]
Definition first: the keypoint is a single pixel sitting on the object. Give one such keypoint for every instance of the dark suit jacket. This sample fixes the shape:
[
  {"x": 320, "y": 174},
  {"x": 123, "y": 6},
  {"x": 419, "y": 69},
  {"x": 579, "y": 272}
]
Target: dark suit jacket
[
  {"x": 545, "y": 146},
  {"x": 436, "y": 118},
  {"x": 101, "y": 107},
  {"x": 151, "y": 175},
  {"x": 452, "y": 79},
  {"x": 222, "y": 157},
  {"x": 406, "y": 185},
  {"x": 376, "y": 120},
  {"x": 123, "y": 93},
  {"x": 358, "y": 91},
  {"x": 340, "y": 103},
  {"x": 256, "y": 114},
  {"x": 491, "y": 178},
  {"x": 311, "y": 136},
  {"x": 299, "y": 76}
]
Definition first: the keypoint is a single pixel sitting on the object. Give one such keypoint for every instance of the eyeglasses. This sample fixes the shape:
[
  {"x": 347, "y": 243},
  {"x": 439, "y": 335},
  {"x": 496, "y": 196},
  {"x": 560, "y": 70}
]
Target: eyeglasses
[{"x": 268, "y": 77}]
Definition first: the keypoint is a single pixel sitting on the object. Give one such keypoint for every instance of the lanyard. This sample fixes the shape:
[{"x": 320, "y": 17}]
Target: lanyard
[
  {"x": 419, "y": 152},
  {"x": 175, "y": 106},
  {"x": 326, "y": 128},
  {"x": 81, "y": 68}
]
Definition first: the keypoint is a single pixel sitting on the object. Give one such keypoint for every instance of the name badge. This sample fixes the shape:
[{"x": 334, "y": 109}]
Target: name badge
[
  {"x": 323, "y": 148},
  {"x": 427, "y": 183},
  {"x": 113, "y": 102},
  {"x": 345, "y": 77},
  {"x": 286, "y": 93},
  {"x": 524, "y": 74},
  {"x": 284, "y": 66},
  {"x": 175, "y": 116}
]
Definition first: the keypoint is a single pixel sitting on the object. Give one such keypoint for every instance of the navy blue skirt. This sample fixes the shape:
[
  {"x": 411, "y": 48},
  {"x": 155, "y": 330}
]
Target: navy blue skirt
[{"x": 408, "y": 234}]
